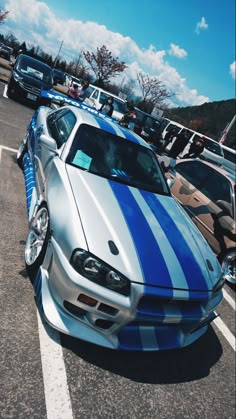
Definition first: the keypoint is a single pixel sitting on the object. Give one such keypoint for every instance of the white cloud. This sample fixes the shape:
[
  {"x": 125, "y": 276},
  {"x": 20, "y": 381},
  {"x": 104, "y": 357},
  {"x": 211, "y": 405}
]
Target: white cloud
[
  {"x": 177, "y": 51},
  {"x": 232, "y": 71},
  {"x": 34, "y": 22},
  {"x": 202, "y": 25}
]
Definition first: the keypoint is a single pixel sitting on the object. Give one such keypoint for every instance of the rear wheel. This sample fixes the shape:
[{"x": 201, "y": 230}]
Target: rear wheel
[
  {"x": 36, "y": 244},
  {"x": 228, "y": 266}
]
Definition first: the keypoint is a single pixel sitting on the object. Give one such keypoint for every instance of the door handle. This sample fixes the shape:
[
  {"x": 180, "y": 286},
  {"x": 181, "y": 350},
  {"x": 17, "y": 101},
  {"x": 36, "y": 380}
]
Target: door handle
[{"x": 196, "y": 198}]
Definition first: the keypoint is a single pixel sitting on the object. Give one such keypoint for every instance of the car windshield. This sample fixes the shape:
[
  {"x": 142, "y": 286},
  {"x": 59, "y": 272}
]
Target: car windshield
[
  {"x": 107, "y": 155},
  {"x": 119, "y": 105},
  {"x": 35, "y": 69},
  {"x": 213, "y": 146}
]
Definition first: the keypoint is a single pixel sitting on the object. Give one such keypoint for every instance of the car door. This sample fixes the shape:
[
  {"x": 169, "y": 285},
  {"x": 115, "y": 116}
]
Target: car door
[
  {"x": 188, "y": 177},
  {"x": 212, "y": 210}
]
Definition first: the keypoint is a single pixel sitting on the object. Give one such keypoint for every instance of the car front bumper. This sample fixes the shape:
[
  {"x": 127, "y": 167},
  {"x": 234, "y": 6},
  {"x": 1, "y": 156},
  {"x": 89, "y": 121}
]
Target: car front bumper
[{"x": 147, "y": 320}]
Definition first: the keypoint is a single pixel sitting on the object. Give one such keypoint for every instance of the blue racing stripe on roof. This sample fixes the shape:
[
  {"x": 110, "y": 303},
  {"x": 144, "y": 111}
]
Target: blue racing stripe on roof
[
  {"x": 143, "y": 238},
  {"x": 184, "y": 253},
  {"x": 105, "y": 125},
  {"x": 129, "y": 135}
]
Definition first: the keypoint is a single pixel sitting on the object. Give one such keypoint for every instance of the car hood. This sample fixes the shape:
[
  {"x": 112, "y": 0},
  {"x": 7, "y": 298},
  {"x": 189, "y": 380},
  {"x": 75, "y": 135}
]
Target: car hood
[{"x": 146, "y": 236}]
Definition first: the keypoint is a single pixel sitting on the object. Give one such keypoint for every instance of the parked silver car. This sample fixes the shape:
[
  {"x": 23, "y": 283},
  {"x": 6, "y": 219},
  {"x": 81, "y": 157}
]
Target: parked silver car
[{"x": 113, "y": 258}]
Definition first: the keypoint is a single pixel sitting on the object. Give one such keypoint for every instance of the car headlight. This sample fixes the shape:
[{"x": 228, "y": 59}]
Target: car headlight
[
  {"x": 17, "y": 77},
  {"x": 219, "y": 285},
  {"x": 94, "y": 269}
]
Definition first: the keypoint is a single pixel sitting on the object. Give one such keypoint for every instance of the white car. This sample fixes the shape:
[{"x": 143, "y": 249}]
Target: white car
[
  {"x": 113, "y": 257},
  {"x": 98, "y": 96}
]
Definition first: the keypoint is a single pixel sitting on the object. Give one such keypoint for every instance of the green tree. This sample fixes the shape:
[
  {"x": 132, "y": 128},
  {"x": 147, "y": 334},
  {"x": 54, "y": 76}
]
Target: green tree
[{"x": 104, "y": 65}]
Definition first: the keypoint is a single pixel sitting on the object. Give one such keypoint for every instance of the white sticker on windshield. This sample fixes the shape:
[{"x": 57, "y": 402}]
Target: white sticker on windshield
[
  {"x": 82, "y": 160},
  {"x": 34, "y": 72}
]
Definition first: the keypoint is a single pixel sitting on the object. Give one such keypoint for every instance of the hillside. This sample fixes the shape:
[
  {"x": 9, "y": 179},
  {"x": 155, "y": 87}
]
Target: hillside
[{"x": 210, "y": 118}]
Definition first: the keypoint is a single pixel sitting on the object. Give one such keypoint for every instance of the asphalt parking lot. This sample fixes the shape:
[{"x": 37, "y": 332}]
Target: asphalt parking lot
[{"x": 44, "y": 374}]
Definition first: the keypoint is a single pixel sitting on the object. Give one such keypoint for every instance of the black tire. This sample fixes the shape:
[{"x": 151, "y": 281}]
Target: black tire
[
  {"x": 20, "y": 153},
  {"x": 227, "y": 261},
  {"x": 37, "y": 241}
]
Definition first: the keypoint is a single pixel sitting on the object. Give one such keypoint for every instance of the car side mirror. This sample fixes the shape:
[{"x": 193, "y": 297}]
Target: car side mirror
[
  {"x": 48, "y": 142},
  {"x": 224, "y": 206},
  {"x": 170, "y": 182}
]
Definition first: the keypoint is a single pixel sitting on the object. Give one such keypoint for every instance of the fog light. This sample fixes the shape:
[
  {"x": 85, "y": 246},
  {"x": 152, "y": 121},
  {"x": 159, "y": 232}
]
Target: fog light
[{"x": 85, "y": 299}]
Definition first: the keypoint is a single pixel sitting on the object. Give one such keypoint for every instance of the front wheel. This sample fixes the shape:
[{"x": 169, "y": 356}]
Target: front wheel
[
  {"x": 36, "y": 244},
  {"x": 228, "y": 266}
]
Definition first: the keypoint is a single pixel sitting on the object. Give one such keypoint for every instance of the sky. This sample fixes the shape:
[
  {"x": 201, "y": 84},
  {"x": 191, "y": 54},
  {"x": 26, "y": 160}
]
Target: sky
[{"x": 189, "y": 45}]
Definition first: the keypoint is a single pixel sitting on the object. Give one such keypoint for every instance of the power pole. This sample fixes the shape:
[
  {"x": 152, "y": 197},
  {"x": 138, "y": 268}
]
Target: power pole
[
  {"x": 226, "y": 130},
  {"x": 54, "y": 65}
]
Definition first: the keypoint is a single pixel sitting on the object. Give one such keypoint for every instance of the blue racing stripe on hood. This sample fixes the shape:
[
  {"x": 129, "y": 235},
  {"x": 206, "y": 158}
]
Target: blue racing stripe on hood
[
  {"x": 143, "y": 238},
  {"x": 184, "y": 253}
]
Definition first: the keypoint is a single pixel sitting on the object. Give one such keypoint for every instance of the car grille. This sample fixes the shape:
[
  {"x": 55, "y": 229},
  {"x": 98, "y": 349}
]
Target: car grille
[{"x": 30, "y": 89}]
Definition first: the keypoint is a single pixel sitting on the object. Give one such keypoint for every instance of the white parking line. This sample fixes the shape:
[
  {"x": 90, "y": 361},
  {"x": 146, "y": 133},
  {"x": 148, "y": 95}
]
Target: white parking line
[
  {"x": 57, "y": 397},
  {"x": 229, "y": 299},
  {"x": 5, "y": 92},
  {"x": 8, "y": 148},
  {"x": 225, "y": 332}
]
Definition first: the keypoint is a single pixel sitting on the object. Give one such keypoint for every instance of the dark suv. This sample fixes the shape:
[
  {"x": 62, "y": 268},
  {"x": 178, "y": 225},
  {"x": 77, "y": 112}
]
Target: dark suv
[
  {"x": 29, "y": 76},
  {"x": 148, "y": 127}
]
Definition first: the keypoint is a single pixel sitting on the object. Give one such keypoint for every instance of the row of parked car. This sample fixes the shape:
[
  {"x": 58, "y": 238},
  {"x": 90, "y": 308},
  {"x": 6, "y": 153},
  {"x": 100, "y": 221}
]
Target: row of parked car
[
  {"x": 6, "y": 52},
  {"x": 29, "y": 76}
]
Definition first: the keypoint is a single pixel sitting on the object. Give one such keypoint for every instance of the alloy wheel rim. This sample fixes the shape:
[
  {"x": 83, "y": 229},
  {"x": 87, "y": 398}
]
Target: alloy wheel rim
[
  {"x": 36, "y": 236},
  {"x": 229, "y": 268}
]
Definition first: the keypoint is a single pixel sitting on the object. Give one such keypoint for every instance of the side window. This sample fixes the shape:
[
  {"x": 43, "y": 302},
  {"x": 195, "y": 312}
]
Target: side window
[
  {"x": 217, "y": 187},
  {"x": 60, "y": 125},
  {"x": 95, "y": 94},
  {"x": 194, "y": 172},
  {"x": 231, "y": 156},
  {"x": 103, "y": 98},
  {"x": 171, "y": 126}
]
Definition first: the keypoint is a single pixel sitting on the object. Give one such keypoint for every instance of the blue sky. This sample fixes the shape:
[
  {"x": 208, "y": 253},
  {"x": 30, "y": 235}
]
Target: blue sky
[{"x": 188, "y": 44}]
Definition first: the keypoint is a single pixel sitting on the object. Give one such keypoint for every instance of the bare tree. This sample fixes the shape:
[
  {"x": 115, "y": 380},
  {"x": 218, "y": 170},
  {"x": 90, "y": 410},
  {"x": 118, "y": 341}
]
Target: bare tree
[
  {"x": 154, "y": 93},
  {"x": 3, "y": 16},
  {"x": 104, "y": 65}
]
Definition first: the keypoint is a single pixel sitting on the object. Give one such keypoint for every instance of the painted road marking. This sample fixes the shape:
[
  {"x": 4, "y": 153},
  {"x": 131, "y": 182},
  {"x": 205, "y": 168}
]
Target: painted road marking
[
  {"x": 5, "y": 92},
  {"x": 229, "y": 299},
  {"x": 8, "y": 148},
  {"x": 225, "y": 332},
  {"x": 57, "y": 396}
]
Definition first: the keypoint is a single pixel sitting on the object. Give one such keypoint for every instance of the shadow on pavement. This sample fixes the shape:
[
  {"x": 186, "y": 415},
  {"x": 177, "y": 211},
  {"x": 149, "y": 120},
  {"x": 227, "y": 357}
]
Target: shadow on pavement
[{"x": 191, "y": 363}]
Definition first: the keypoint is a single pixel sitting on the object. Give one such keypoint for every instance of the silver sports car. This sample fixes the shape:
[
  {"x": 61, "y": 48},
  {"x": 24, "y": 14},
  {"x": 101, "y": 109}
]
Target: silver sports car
[{"x": 114, "y": 258}]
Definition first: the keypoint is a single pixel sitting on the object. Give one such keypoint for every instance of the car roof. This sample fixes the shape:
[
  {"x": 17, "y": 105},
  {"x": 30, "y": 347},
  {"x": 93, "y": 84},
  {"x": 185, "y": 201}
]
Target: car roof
[
  {"x": 230, "y": 176},
  {"x": 95, "y": 118}
]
